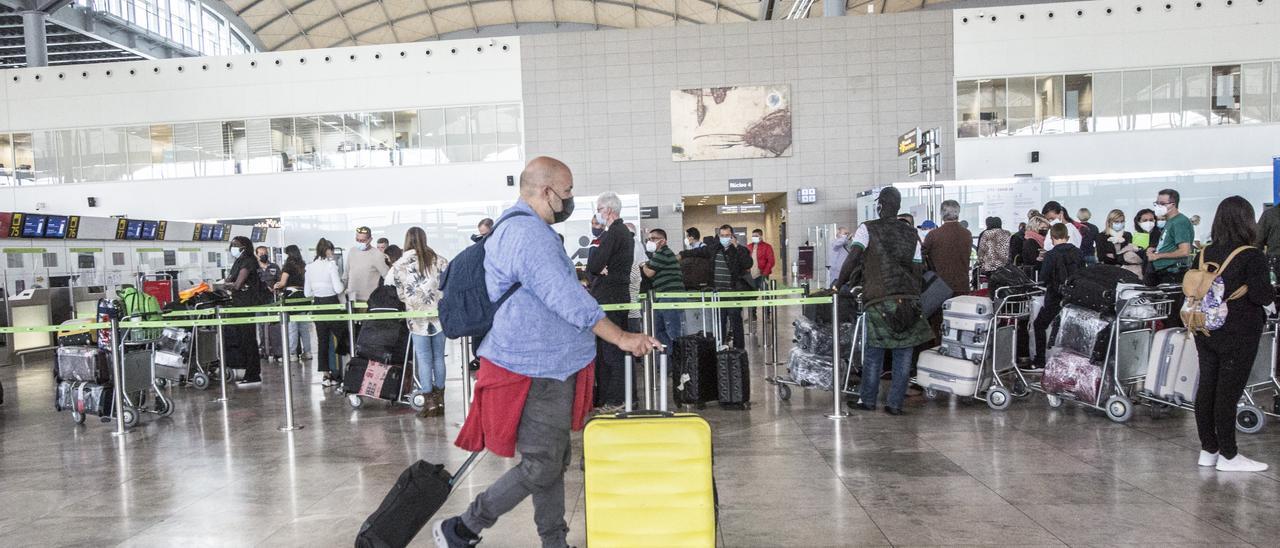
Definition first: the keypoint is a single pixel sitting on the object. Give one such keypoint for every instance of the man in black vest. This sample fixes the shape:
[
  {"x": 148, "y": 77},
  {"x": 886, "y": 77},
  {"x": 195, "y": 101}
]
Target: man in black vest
[{"x": 885, "y": 259}]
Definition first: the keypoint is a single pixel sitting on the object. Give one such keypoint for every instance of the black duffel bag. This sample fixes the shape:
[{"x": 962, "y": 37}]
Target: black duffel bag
[
  {"x": 1007, "y": 276},
  {"x": 1095, "y": 287}
]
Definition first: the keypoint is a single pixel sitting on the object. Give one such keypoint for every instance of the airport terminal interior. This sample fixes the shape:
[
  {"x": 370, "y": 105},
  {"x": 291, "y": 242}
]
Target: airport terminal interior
[{"x": 1056, "y": 364}]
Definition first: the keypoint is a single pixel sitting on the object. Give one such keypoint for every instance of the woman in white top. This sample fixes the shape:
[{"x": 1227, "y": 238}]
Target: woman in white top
[
  {"x": 323, "y": 285},
  {"x": 416, "y": 277}
]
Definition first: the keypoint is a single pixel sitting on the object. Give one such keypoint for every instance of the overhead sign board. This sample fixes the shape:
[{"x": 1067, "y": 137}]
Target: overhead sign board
[
  {"x": 739, "y": 209},
  {"x": 909, "y": 142},
  {"x": 741, "y": 185},
  {"x": 649, "y": 212},
  {"x": 807, "y": 195}
]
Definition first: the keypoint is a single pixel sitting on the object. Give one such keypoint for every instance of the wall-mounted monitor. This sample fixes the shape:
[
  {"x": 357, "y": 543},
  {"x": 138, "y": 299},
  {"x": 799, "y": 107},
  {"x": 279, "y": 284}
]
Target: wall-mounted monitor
[
  {"x": 55, "y": 227},
  {"x": 206, "y": 233},
  {"x": 133, "y": 230},
  {"x": 218, "y": 232},
  {"x": 33, "y": 225},
  {"x": 258, "y": 235},
  {"x": 149, "y": 230}
]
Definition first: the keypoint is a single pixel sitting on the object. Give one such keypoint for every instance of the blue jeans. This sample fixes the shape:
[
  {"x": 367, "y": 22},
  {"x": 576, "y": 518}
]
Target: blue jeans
[
  {"x": 1091, "y": 259},
  {"x": 428, "y": 354},
  {"x": 299, "y": 338},
  {"x": 871, "y": 368},
  {"x": 668, "y": 325}
]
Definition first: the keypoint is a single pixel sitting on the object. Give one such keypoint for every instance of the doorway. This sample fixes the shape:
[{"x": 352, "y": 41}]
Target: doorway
[{"x": 744, "y": 212}]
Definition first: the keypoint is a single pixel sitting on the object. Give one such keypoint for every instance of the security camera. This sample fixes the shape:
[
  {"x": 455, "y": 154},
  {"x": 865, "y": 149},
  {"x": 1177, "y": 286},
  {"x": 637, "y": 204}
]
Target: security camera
[
  {"x": 678, "y": 208},
  {"x": 492, "y": 42}
]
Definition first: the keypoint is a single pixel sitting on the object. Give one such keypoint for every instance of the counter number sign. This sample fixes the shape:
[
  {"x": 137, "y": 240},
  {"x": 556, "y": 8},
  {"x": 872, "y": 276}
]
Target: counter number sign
[
  {"x": 15, "y": 226},
  {"x": 73, "y": 227}
]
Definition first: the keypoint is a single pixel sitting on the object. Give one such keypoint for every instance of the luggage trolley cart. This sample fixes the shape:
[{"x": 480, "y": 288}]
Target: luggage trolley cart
[
  {"x": 140, "y": 382},
  {"x": 409, "y": 392},
  {"x": 999, "y": 380},
  {"x": 821, "y": 379},
  {"x": 1250, "y": 415},
  {"x": 202, "y": 352},
  {"x": 1125, "y": 364}
]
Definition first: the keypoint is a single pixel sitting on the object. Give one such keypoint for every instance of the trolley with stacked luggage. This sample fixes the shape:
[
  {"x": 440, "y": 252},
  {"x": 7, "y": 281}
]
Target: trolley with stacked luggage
[
  {"x": 978, "y": 355},
  {"x": 809, "y": 364}
]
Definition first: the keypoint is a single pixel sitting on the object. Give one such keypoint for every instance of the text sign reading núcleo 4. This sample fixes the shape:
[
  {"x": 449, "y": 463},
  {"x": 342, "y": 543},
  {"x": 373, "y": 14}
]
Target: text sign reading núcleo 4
[{"x": 740, "y": 185}]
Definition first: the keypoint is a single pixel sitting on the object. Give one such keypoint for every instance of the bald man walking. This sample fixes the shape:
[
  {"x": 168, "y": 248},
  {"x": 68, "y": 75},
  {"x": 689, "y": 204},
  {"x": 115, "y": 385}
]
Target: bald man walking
[{"x": 533, "y": 387}]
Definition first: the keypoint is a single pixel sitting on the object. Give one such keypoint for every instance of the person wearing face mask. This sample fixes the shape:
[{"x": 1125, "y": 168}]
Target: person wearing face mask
[
  {"x": 1114, "y": 245},
  {"x": 366, "y": 265},
  {"x": 762, "y": 260},
  {"x": 1054, "y": 213},
  {"x": 323, "y": 285},
  {"x": 532, "y": 388},
  {"x": 1145, "y": 223},
  {"x": 839, "y": 252},
  {"x": 382, "y": 245},
  {"x": 664, "y": 269},
  {"x": 1172, "y": 255},
  {"x": 610, "y": 266},
  {"x": 695, "y": 270},
  {"x": 730, "y": 267},
  {"x": 1089, "y": 233},
  {"x": 636, "y": 281},
  {"x": 269, "y": 274},
  {"x": 482, "y": 229},
  {"x": 241, "y": 341},
  {"x": 1033, "y": 243}
]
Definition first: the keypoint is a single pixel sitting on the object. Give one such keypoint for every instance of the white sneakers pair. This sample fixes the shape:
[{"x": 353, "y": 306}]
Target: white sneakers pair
[{"x": 1240, "y": 463}]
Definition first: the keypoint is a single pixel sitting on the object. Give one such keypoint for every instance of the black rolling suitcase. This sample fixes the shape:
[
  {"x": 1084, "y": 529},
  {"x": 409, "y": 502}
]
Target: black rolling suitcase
[
  {"x": 1095, "y": 287},
  {"x": 82, "y": 363},
  {"x": 733, "y": 379},
  {"x": 694, "y": 375},
  {"x": 417, "y": 495}
]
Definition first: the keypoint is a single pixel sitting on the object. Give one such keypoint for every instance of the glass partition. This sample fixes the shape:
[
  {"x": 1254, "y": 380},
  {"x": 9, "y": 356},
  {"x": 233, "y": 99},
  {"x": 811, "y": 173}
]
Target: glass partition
[
  {"x": 6, "y": 159},
  {"x": 138, "y": 151},
  {"x": 1195, "y": 97},
  {"x": 433, "y": 129},
  {"x": 1077, "y": 103},
  {"x": 408, "y": 138},
  {"x": 967, "y": 109},
  {"x": 1137, "y": 100},
  {"x": 1108, "y": 101},
  {"x": 1255, "y": 93},
  {"x": 23, "y": 159},
  {"x": 1021, "y": 99},
  {"x": 1166, "y": 98},
  {"x": 1226, "y": 94},
  {"x": 1049, "y": 104},
  {"x": 457, "y": 135}
]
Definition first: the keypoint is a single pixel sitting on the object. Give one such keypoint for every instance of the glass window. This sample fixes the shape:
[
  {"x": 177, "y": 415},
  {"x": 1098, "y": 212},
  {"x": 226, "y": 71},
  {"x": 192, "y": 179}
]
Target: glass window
[
  {"x": 1049, "y": 104},
  {"x": 1275, "y": 92},
  {"x": 381, "y": 140},
  {"x": 186, "y": 150},
  {"x": 23, "y": 159},
  {"x": 1166, "y": 98},
  {"x": 330, "y": 141},
  {"x": 305, "y": 129},
  {"x": 408, "y": 138},
  {"x": 284, "y": 143},
  {"x": 355, "y": 139},
  {"x": 1195, "y": 96},
  {"x": 138, "y": 139},
  {"x": 1108, "y": 98},
  {"x": 235, "y": 146},
  {"x": 991, "y": 107},
  {"x": 1255, "y": 95},
  {"x": 1226, "y": 95},
  {"x": 509, "y": 142},
  {"x": 433, "y": 130},
  {"x": 162, "y": 158},
  {"x": 1022, "y": 100},
  {"x": 211, "y": 158},
  {"x": 92, "y": 148},
  {"x": 1077, "y": 103},
  {"x": 484, "y": 133},
  {"x": 45, "y": 150},
  {"x": 6, "y": 159},
  {"x": 967, "y": 110},
  {"x": 115, "y": 154},
  {"x": 457, "y": 135},
  {"x": 1137, "y": 100},
  {"x": 258, "y": 143}
]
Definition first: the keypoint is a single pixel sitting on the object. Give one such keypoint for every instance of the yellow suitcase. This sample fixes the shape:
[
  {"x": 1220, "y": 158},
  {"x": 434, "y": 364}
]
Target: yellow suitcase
[{"x": 649, "y": 478}]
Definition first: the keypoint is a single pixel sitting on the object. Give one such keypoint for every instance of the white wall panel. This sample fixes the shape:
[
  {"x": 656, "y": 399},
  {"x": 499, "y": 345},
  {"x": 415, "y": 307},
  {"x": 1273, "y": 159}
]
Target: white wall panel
[
  {"x": 247, "y": 86},
  {"x": 1181, "y": 35}
]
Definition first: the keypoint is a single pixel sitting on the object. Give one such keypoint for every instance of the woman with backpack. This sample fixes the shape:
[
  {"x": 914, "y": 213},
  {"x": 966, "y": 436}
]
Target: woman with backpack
[
  {"x": 1227, "y": 352},
  {"x": 323, "y": 286},
  {"x": 293, "y": 278},
  {"x": 416, "y": 277},
  {"x": 247, "y": 289}
]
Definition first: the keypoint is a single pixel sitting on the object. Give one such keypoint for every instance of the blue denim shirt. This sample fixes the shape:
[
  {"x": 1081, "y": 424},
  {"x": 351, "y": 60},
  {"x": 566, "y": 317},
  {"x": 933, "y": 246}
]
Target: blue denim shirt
[{"x": 544, "y": 329}]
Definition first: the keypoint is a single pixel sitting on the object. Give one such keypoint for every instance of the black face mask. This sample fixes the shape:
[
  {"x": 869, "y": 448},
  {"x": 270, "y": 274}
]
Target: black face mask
[
  {"x": 262, "y": 258},
  {"x": 566, "y": 209}
]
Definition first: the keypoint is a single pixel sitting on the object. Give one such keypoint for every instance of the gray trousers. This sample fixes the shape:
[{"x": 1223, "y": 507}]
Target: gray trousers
[{"x": 543, "y": 443}]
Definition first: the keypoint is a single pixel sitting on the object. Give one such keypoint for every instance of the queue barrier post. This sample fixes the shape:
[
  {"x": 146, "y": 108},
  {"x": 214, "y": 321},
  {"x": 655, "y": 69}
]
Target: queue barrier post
[
  {"x": 224, "y": 368},
  {"x": 466, "y": 375},
  {"x": 838, "y": 412},
  {"x": 289, "y": 425},
  {"x": 117, "y": 387},
  {"x": 351, "y": 328},
  {"x": 646, "y": 317}
]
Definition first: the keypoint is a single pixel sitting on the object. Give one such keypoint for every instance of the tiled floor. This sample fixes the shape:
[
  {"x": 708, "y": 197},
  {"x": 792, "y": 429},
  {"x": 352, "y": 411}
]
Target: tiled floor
[{"x": 948, "y": 473}]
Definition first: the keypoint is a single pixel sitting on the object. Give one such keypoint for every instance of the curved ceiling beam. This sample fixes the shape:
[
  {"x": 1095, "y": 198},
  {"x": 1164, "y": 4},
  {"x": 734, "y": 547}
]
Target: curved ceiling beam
[
  {"x": 366, "y": 3},
  {"x": 463, "y": 4}
]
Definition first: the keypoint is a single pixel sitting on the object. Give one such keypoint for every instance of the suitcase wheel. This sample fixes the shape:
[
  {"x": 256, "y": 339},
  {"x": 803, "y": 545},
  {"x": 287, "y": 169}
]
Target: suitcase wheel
[
  {"x": 1054, "y": 401},
  {"x": 77, "y": 417},
  {"x": 355, "y": 401},
  {"x": 1249, "y": 419},
  {"x": 930, "y": 394},
  {"x": 200, "y": 381},
  {"x": 1119, "y": 408},
  {"x": 784, "y": 392},
  {"x": 998, "y": 398},
  {"x": 130, "y": 416}
]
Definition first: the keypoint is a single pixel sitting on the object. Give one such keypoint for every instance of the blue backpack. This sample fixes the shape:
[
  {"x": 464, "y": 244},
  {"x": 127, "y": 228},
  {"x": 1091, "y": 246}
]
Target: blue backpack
[{"x": 465, "y": 308}]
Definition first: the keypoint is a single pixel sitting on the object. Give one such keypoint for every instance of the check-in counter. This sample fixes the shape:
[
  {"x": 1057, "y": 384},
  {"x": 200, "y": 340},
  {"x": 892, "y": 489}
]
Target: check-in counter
[{"x": 31, "y": 308}]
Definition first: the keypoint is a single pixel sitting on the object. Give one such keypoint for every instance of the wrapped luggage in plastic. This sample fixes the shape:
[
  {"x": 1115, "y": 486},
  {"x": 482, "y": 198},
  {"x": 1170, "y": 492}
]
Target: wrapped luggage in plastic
[
  {"x": 1071, "y": 375},
  {"x": 1084, "y": 332},
  {"x": 815, "y": 337},
  {"x": 1133, "y": 302},
  {"x": 811, "y": 369}
]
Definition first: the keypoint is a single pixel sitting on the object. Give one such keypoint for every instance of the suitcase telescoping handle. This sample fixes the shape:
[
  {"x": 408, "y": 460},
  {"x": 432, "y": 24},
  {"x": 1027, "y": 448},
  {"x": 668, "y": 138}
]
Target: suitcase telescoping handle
[{"x": 628, "y": 405}]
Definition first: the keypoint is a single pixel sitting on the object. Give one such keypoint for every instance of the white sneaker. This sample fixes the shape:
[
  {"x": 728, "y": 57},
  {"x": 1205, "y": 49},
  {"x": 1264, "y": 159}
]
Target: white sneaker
[
  {"x": 1207, "y": 458},
  {"x": 1241, "y": 464}
]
